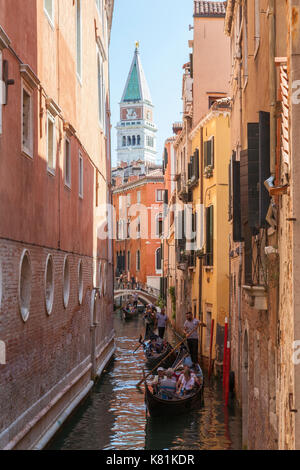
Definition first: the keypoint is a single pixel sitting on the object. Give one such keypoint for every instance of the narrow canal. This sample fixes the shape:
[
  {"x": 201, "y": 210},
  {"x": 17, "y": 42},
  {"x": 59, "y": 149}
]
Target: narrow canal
[{"x": 113, "y": 417}]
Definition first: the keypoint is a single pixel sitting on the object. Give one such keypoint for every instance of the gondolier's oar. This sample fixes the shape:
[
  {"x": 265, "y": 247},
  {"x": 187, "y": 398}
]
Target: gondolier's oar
[
  {"x": 169, "y": 354},
  {"x": 141, "y": 344}
]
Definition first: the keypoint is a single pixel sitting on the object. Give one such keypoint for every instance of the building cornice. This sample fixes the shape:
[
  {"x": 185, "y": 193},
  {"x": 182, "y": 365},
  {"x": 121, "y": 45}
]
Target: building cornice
[
  {"x": 138, "y": 183},
  {"x": 211, "y": 115}
]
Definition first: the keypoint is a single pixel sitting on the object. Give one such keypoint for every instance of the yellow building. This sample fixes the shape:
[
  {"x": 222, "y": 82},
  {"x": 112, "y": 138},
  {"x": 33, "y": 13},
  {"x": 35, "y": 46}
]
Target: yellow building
[{"x": 208, "y": 180}]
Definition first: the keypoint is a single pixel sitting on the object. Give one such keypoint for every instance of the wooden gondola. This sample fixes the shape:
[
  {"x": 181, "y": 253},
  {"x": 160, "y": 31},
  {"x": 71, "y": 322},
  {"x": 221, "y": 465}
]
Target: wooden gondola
[
  {"x": 158, "y": 406},
  {"x": 127, "y": 314},
  {"x": 154, "y": 359},
  {"x": 161, "y": 407}
]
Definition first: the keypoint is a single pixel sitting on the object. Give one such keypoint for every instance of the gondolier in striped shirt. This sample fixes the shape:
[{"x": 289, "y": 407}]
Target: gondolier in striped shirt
[{"x": 189, "y": 325}]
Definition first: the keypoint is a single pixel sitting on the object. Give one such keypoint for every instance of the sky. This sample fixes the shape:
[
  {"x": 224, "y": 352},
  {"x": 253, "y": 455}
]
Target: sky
[{"x": 162, "y": 29}]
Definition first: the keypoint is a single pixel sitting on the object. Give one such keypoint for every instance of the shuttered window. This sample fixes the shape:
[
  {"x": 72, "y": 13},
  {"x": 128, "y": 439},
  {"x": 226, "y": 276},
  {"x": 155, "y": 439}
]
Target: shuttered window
[
  {"x": 264, "y": 165},
  {"x": 209, "y": 150},
  {"x": 210, "y": 236},
  {"x": 253, "y": 176}
]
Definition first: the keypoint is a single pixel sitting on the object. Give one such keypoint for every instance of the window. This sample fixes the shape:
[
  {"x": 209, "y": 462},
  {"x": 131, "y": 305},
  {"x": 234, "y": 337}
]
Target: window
[
  {"x": 25, "y": 280},
  {"x": 49, "y": 10},
  {"x": 128, "y": 261},
  {"x": 209, "y": 153},
  {"x": 101, "y": 90},
  {"x": 138, "y": 227},
  {"x": 138, "y": 140},
  {"x": 138, "y": 260},
  {"x": 257, "y": 26},
  {"x": 27, "y": 122},
  {"x": 159, "y": 195},
  {"x": 80, "y": 282},
  {"x": 80, "y": 175},
  {"x": 159, "y": 225},
  {"x": 133, "y": 140},
  {"x": 128, "y": 140},
  {"x": 78, "y": 39},
  {"x": 51, "y": 155},
  {"x": 124, "y": 141},
  {"x": 150, "y": 141},
  {"x": 158, "y": 263},
  {"x": 66, "y": 282},
  {"x": 49, "y": 284},
  {"x": 67, "y": 163},
  {"x": 210, "y": 236}
]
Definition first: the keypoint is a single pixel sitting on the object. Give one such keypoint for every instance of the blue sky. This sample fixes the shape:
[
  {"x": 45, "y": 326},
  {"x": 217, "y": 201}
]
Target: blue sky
[{"x": 162, "y": 28}]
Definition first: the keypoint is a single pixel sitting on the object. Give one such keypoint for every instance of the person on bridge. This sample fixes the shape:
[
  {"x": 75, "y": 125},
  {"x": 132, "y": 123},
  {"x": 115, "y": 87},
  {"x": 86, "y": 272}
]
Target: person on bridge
[{"x": 162, "y": 321}]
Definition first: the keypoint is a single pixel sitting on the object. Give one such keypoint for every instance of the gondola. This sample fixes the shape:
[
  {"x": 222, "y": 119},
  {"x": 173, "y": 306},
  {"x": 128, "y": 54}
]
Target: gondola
[
  {"x": 127, "y": 314},
  {"x": 158, "y": 406},
  {"x": 153, "y": 359},
  {"x": 175, "y": 406}
]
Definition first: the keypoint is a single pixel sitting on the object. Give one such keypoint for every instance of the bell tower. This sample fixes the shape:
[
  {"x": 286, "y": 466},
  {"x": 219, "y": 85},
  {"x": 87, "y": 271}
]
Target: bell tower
[{"x": 136, "y": 129}]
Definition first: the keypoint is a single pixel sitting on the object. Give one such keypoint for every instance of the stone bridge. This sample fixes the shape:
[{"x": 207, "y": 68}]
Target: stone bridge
[{"x": 150, "y": 296}]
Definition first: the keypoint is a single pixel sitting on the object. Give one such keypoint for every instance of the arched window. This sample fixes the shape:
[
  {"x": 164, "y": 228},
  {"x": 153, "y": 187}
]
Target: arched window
[
  {"x": 133, "y": 140},
  {"x": 158, "y": 263},
  {"x": 124, "y": 141},
  {"x": 129, "y": 140},
  {"x": 138, "y": 140}
]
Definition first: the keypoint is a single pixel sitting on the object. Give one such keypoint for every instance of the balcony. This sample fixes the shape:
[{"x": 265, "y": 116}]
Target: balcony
[{"x": 256, "y": 297}]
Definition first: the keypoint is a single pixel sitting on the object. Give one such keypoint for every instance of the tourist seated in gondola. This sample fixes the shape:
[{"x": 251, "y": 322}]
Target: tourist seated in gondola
[
  {"x": 156, "y": 380},
  {"x": 156, "y": 346},
  {"x": 168, "y": 385},
  {"x": 187, "y": 382}
]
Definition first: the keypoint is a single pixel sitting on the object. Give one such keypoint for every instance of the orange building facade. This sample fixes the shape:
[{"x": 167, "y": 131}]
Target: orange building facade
[{"x": 138, "y": 207}]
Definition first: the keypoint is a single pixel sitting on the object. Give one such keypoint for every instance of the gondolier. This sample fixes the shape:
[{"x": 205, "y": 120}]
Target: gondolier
[{"x": 190, "y": 325}]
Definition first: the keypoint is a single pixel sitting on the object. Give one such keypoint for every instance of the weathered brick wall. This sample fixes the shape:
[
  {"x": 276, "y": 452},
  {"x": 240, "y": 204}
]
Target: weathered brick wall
[{"x": 47, "y": 352}]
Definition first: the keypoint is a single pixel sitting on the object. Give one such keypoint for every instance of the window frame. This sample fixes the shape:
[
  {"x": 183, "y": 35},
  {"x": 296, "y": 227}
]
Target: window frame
[
  {"x": 80, "y": 178},
  {"x": 28, "y": 151},
  {"x": 79, "y": 37},
  {"x": 51, "y": 20},
  {"x": 157, "y": 270},
  {"x": 156, "y": 195},
  {"x": 67, "y": 183},
  {"x": 51, "y": 170},
  {"x": 138, "y": 260}
]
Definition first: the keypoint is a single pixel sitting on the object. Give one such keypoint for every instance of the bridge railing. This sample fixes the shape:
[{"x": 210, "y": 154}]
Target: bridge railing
[{"x": 121, "y": 284}]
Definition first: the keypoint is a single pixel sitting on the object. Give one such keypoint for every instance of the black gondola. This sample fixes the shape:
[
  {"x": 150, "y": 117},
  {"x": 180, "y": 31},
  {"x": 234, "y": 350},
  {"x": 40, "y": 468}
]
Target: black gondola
[
  {"x": 127, "y": 314},
  {"x": 153, "y": 359},
  {"x": 162, "y": 407},
  {"x": 158, "y": 406}
]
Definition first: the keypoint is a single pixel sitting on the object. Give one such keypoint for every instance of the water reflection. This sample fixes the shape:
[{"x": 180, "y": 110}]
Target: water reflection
[{"x": 114, "y": 416}]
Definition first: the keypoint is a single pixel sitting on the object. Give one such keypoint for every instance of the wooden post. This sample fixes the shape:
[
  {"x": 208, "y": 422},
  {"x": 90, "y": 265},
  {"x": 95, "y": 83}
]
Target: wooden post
[{"x": 227, "y": 373}]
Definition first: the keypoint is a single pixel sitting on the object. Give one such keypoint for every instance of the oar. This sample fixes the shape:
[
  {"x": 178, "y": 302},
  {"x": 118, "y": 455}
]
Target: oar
[
  {"x": 169, "y": 354},
  {"x": 141, "y": 344}
]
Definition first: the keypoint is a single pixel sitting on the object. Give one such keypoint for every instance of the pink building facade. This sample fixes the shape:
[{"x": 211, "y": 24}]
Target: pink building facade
[{"x": 56, "y": 294}]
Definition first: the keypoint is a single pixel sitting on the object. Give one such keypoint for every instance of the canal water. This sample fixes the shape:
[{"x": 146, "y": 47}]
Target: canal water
[{"x": 113, "y": 417}]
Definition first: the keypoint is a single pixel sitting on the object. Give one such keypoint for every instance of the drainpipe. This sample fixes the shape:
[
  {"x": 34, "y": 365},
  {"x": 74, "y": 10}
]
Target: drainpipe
[{"x": 272, "y": 84}]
